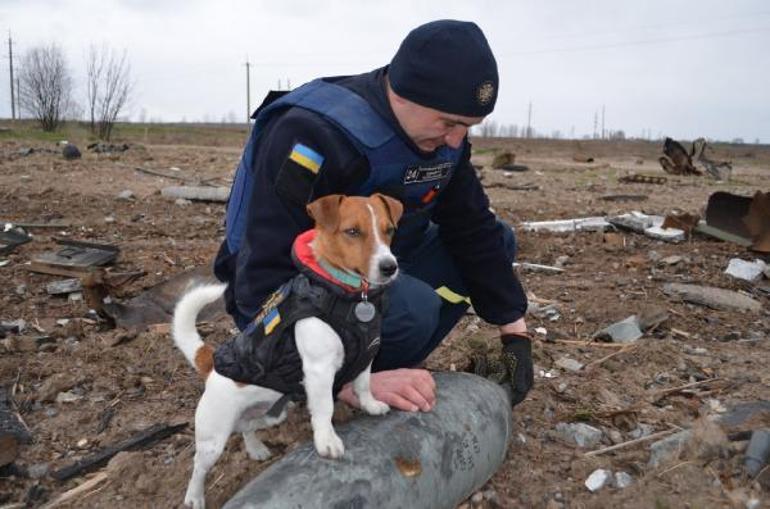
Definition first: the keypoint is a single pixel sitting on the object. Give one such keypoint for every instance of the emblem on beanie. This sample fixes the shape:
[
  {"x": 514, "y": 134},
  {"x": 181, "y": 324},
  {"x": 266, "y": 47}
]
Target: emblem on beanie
[{"x": 485, "y": 93}]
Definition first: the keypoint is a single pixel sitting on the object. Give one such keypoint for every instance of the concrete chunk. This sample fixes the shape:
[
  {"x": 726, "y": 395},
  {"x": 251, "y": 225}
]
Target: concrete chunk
[
  {"x": 668, "y": 448},
  {"x": 624, "y": 331},
  {"x": 580, "y": 433}
]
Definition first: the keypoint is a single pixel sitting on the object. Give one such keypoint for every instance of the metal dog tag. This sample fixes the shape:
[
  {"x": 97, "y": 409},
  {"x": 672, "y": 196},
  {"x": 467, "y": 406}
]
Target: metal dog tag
[{"x": 364, "y": 311}]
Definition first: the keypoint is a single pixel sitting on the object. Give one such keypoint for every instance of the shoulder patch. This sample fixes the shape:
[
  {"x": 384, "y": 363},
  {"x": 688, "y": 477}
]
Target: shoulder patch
[
  {"x": 299, "y": 170},
  {"x": 306, "y": 157}
]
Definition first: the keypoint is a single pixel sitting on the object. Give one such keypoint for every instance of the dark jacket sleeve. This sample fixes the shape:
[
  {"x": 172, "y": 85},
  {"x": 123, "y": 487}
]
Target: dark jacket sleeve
[
  {"x": 475, "y": 238},
  {"x": 275, "y": 217}
]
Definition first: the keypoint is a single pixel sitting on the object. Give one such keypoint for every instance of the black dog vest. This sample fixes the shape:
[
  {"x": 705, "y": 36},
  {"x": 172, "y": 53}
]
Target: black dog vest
[{"x": 265, "y": 353}]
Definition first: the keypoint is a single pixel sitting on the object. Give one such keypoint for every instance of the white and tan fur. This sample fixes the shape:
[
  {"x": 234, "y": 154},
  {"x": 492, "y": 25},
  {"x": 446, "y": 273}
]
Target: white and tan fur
[{"x": 353, "y": 234}]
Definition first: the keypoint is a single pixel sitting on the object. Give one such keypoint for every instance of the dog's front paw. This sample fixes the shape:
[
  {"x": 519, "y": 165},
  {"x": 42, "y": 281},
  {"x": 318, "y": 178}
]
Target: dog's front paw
[
  {"x": 257, "y": 450},
  {"x": 194, "y": 502},
  {"x": 328, "y": 444},
  {"x": 374, "y": 407}
]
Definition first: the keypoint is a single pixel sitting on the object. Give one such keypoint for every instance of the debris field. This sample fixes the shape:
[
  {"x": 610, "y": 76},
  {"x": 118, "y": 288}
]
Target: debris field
[{"x": 652, "y": 387}]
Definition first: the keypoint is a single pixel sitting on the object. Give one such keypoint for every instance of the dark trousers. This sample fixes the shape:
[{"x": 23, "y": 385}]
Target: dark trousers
[{"x": 418, "y": 318}]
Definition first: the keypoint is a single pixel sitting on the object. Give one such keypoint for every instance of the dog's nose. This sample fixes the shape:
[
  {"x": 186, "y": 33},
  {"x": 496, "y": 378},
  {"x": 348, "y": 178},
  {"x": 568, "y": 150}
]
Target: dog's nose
[{"x": 388, "y": 267}]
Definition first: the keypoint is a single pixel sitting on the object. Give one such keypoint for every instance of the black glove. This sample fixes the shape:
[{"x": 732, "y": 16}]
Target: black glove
[{"x": 517, "y": 358}]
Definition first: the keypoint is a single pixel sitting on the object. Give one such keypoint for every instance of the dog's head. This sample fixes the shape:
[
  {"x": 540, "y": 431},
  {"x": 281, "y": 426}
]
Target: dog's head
[{"x": 354, "y": 234}]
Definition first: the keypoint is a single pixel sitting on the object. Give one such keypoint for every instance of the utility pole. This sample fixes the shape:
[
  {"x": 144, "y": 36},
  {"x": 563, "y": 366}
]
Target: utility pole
[
  {"x": 248, "y": 91},
  {"x": 288, "y": 84},
  {"x": 10, "y": 58},
  {"x": 18, "y": 99},
  {"x": 603, "y": 131},
  {"x": 596, "y": 124},
  {"x": 529, "y": 121}
]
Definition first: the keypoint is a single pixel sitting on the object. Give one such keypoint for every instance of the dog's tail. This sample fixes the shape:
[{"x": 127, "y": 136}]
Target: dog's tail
[{"x": 184, "y": 331}]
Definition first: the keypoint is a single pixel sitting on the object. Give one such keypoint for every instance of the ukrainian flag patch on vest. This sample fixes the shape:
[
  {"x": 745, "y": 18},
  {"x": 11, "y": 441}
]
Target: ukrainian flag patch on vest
[
  {"x": 271, "y": 321},
  {"x": 269, "y": 316},
  {"x": 306, "y": 157}
]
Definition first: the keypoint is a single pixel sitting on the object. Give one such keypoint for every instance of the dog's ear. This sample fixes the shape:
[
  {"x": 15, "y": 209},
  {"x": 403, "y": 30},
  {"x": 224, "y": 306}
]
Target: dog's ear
[
  {"x": 394, "y": 207},
  {"x": 326, "y": 211}
]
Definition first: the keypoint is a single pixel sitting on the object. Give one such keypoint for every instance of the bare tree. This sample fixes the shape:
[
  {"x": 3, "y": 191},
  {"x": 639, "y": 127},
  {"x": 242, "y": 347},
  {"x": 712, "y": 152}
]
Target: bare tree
[
  {"x": 108, "y": 87},
  {"x": 487, "y": 129},
  {"x": 45, "y": 85}
]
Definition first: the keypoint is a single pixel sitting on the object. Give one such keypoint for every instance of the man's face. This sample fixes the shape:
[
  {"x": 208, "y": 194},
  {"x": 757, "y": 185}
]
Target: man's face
[{"x": 429, "y": 129}]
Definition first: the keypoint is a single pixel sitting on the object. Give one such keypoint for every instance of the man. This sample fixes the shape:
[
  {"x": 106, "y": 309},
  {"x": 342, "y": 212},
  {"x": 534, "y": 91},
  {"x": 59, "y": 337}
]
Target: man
[{"x": 400, "y": 130}]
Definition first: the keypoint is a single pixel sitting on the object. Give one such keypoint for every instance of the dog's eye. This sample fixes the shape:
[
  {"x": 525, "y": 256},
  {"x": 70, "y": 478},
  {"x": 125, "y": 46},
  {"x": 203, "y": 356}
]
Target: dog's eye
[
  {"x": 353, "y": 232},
  {"x": 390, "y": 231}
]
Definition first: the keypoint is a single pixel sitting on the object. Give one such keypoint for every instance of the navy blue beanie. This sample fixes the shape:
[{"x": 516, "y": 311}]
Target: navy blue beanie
[{"x": 446, "y": 65}]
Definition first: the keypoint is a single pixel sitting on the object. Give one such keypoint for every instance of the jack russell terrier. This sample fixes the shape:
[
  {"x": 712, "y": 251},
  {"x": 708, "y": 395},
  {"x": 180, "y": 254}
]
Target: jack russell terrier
[{"x": 316, "y": 333}]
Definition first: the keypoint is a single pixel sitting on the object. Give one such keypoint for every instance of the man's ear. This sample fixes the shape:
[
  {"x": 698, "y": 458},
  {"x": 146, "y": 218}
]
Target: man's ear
[
  {"x": 394, "y": 207},
  {"x": 326, "y": 211}
]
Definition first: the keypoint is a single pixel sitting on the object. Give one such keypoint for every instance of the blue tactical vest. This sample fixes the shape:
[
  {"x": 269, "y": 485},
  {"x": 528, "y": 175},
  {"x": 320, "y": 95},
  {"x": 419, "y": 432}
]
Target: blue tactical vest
[{"x": 392, "y": 162}]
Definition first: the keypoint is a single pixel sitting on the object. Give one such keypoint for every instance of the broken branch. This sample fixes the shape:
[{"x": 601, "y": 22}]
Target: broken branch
[
  {"x": 631, "y": 442},
  {"x": 144, "y": 438}
]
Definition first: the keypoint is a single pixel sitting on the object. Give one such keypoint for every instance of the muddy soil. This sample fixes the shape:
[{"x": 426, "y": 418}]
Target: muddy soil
[{"x": 77, "y": 393}]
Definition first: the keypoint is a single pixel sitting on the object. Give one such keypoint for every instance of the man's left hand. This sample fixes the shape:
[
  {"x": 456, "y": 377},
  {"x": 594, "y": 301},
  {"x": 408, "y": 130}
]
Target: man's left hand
[{"x": 517, "y": 357}]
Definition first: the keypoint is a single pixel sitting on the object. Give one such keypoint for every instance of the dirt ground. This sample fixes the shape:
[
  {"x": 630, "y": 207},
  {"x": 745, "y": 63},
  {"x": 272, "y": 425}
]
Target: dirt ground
[{"x": 77, "y": 394}]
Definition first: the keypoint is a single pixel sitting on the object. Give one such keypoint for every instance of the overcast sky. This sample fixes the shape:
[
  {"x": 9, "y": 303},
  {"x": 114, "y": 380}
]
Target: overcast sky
[{"x": 684, "y": 68}]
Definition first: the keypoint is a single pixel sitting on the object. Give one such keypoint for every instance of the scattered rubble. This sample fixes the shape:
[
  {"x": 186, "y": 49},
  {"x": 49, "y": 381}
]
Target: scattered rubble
[
  {"x": 70, "y": 152},
  {"x": 693, "y": 360},
  {"x": 568, "y": 225},
  {"x": 13, "y": 431},
  {"x": 598, "y": 479},
  {"x": 718, "y": 170},
  {"x": 580, "y": 434},
  {"x": 11, "y": 237},
  {"x": 758, "y": 451},
  {"x": 676, "y": 160},
  {"x": 503, "y": 159},
  {"x": 74, "y": 258},
  {"x": 624, "y": 331},
  {"x": 652, "y": 226},
  {"x": 568, "y": 364},
  {"x": 668, "y": 449},
  {"x": 739, "y": 219},
  {"x": 745, "y": 270},
  {"x": 638, "y": 178},
  {"x": 106, "y": 148},
  {"x": 216, "y": 194},
  {"x": 623, "y": 480},
  {"x": 715, "y": 298}
]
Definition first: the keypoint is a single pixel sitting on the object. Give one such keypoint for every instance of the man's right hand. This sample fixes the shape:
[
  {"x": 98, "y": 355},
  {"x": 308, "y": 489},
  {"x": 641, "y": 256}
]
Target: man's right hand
[{"x": 405, "y": 389}]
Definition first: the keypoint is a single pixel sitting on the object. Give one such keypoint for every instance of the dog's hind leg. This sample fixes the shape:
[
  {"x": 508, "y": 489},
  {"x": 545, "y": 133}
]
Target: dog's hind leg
[
  {"x": 218, "y": 414},
  {"x": 256, "y": 417},
  {"x": 322, "y": 355},
  {"x": 213, "y": 424},
  {"x": 363, "y": 391},
  {"x": 256, "y": 449}
]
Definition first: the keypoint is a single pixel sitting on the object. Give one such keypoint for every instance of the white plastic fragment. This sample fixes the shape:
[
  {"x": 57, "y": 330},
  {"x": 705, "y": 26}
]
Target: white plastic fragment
[
  {"x": 598, "y": 479},
  {"x": 596, "y": 223},
  {"x": 748, "y": 271},
  {"x": 569, "y": 364},
  {"x": 623, "y": 480}
]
